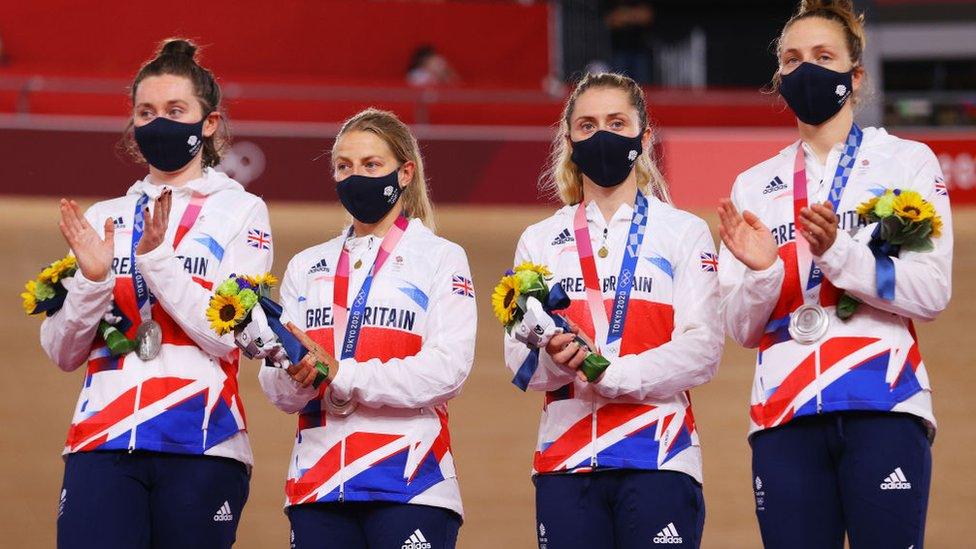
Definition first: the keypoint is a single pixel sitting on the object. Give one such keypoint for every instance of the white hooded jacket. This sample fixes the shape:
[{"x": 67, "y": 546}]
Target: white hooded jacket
[{"x": 186, "y": 399}]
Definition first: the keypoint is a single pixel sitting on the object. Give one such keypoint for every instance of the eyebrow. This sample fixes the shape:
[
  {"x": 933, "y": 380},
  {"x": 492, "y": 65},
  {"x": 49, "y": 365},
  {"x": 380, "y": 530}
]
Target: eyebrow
[
  {"x": 816, "y": 47},
  {"x": 609, "y": 115},
  {"x": 168, "y": 103},
  {"x": 362, "y": 159}
]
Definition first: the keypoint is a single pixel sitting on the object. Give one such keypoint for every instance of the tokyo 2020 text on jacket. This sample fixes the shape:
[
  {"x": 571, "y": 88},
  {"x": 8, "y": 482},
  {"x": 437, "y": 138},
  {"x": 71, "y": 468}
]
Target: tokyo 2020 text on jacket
[
  {"x": 638, "y": 415},
  {"x": 415, "y": 350}
]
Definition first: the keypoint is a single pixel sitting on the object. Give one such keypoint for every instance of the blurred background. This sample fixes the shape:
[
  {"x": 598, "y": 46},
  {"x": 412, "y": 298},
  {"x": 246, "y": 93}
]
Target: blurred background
[{"x": 481, "y": 82}]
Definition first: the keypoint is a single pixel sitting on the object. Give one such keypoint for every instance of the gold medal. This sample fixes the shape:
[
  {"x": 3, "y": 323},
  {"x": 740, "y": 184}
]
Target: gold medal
[
  {"x": 358, "y": 264},
  {"x": 603, "y": 252}
]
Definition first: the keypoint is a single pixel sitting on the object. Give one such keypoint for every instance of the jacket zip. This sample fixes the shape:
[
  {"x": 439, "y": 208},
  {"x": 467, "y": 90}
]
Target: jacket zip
[
  {"x": 135, "y": 417},
  {"x": 342, "y": 468},
  {"x": 593, "y": 460},
  {"x": 816, "y": 360}
]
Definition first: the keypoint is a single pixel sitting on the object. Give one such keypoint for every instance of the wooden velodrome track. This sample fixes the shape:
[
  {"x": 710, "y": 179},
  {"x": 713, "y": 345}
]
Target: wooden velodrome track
[{"x": 493, "y": 424}]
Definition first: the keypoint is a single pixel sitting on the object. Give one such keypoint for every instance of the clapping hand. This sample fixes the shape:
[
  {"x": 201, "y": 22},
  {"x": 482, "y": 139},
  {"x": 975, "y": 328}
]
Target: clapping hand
[
  {"x": 156, "y": 223},
  {"x": 94, "y": 253},
  {"x": 746, "y": 237},
  {"x": 819, "y": 227}
]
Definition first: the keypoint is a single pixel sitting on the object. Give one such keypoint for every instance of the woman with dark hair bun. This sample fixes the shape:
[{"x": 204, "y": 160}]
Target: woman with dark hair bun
[
  {"x": 158, "y": 454},
  {"x": 841, "y": 414}
]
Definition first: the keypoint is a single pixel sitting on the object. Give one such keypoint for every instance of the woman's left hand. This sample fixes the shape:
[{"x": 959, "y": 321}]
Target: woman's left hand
[
  {"x": 316, "y": 353},
  {"x": 154, "y": 232},
  {"x": 819, "y": 227}
]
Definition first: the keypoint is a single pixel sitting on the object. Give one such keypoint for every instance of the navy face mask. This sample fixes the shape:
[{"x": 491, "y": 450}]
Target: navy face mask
[
  {"x": 169, "y": 145},
  {"x": 368, "y": 199},
  {"x": 606, "y": 157},
  {"x": 814, "y": 93}
]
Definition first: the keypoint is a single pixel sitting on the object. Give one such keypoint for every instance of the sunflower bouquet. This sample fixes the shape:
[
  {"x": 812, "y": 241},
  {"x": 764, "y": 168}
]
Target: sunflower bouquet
[
  {"x": 46, "y": 294},
  {"x": 905, "y": 222},
  {"x": 231, "y": 305},
  {"x": 242, "y": 304},
  {"x": 525, "y": 305}
]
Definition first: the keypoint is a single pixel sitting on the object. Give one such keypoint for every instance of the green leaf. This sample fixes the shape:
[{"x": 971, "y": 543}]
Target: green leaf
[
  {"x": 921, "y": 246},
  {"x": 890, "y": 228}
]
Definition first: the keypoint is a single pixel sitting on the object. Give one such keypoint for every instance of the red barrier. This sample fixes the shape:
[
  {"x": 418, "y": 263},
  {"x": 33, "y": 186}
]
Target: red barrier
[
  {"x": 488, "y": 43},
  {"x": 468, "y": 165}
]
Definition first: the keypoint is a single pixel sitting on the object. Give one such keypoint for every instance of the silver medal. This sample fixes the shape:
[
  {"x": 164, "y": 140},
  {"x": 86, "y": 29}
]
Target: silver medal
[
  {"x": 338, "y": 409},
  {"x": 149, "y": 339},
  {"x": 808, "y": 323}
]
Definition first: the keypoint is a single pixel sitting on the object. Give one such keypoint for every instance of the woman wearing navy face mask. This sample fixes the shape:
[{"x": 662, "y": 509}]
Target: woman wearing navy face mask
[
  {"x": 394, "y": 303},
  {"x": 841, "y": 415},
  {"x": 158, "y": 454},
  {"x": 618, "y": 462}
]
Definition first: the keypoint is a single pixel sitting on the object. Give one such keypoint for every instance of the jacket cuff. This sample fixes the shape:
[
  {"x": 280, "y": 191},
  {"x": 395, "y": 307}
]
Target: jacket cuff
[
  {"x": 608, "y": 385},
  {"x": 556, "y": 370},
  {"x": 767, "y": 280},
  {"x": 156, "y": 255},
  {"x": 88, "y": 287},
  {"x": 343, "y": 383},
  {"x": 835, "y": 257}
]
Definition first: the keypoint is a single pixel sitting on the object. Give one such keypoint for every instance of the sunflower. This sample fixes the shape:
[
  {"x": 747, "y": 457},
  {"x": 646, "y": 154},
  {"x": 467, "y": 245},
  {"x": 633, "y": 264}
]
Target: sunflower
[
  {"x": 224, "y": 313},
  {"x": 866, "y": 209},
  {"x": 529, "y": 266},
  {"x": 266, "y": 279},
  {"x": 503, "y": 300},
  {"x": 936, "y": 227},
  {"x": 30, "y": 300},
  {"x": 58, "y": 270},
  {"x": 910, "y": 206}
]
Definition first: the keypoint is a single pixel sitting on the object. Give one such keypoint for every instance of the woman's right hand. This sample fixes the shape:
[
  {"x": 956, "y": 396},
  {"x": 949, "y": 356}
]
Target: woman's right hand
[
  {"x": 94, "y": 254},
  {"x": 749, "y": 240},
  {"x": 565, "y": 350},
  {"x": 305, "y": 371}
]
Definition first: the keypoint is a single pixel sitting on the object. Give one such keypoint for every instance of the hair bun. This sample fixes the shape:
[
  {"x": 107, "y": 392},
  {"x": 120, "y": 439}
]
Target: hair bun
[
  {"x": 807, "y": 6},
  {"x": 177, "y": 47}
]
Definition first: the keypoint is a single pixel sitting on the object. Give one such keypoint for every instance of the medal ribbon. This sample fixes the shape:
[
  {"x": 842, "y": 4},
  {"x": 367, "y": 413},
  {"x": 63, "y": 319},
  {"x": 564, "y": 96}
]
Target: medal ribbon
[
  {"x": 349, "y": 321},
  {"x": 190, "y": 215},
  {"x": 612, "y": 328},
  {"x": 810, "y": 291}
]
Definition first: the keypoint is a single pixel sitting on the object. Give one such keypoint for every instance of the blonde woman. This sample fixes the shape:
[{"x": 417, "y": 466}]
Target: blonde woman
[
  {"x": 618, "y": 462},
  {"x": 394, "y": 304},
  {"x": 841, "y": 414}
]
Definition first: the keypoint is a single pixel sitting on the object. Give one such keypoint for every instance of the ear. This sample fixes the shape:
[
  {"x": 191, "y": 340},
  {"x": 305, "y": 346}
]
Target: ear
[
  {"x": 211, "y": 124},
  {"x": 857, "y": 79},
  {"x": 406, "y": 173},
  {"x": 646, "y": 138}
]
